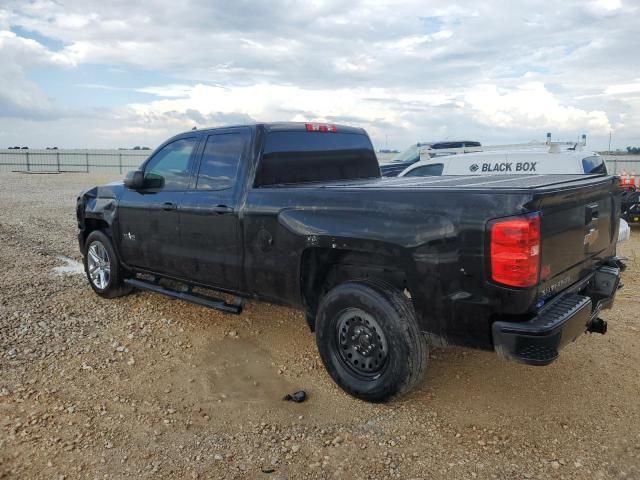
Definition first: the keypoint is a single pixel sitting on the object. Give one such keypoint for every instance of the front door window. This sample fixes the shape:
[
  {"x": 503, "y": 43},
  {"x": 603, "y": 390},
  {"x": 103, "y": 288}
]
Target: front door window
[{"x": 169, "y": 167}]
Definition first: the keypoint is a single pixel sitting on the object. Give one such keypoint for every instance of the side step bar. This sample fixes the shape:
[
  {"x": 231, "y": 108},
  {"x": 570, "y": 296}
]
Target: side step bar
[{"x": 196, "y": 298}]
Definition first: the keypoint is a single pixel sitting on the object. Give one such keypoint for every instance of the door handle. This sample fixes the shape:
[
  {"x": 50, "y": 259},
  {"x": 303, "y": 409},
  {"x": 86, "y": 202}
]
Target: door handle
[
  {"x": 221, "y": 209},
  {"x": 168, "y": 206}
]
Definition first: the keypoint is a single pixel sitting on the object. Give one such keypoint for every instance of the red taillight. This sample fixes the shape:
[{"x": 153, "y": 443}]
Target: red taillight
[
  {"x": 515, "y": 251},
  {"x": 320, "y": 127}
]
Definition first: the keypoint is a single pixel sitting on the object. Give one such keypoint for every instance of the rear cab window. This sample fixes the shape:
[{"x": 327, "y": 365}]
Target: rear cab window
[{"x": 299, "y": 156}]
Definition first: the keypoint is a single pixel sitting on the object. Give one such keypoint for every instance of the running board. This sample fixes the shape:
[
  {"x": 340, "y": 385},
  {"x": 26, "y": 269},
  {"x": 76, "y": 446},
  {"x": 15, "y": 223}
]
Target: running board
[{"x": 191, "y": 297}]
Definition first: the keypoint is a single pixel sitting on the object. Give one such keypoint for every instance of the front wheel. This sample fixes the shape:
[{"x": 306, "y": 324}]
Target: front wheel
[
  {"x": 102, "y": 267},
  {"x": 369, "y": 340}
]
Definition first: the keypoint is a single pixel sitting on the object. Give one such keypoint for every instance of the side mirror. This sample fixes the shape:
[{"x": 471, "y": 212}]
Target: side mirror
[{"x": 134, "y": 180}]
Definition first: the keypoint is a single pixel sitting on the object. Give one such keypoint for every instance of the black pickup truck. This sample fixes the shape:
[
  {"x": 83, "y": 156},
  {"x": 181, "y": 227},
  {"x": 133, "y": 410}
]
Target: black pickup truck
[{"x": 298, "y": 214}]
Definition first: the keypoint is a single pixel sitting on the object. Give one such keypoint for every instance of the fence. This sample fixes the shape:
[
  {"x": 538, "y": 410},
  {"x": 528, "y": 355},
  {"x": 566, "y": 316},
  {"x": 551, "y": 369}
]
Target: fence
[
  {"x": 122, "y": 161},
  {"x": 71, "y": 160},
  {"x": 623, "y": 163}
]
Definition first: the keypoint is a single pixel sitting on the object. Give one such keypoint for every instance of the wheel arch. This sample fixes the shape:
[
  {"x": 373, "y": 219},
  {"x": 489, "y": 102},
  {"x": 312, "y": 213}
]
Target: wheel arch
[
  {"x": 91, "y": 225},
  {"x": 322, "y": 268}
]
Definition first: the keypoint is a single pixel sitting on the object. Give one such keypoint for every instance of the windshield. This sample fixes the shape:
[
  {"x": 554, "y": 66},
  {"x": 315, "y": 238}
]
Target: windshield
[
  {"x": 411, "y": 154},
  {"x": 594, "y": 164}
]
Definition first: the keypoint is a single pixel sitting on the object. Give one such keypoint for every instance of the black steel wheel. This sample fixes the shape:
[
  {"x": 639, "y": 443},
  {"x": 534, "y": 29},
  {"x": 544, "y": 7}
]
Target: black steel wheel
[
  {"x": 369, "y": 340},
  {"x": 362, "y": 342}
]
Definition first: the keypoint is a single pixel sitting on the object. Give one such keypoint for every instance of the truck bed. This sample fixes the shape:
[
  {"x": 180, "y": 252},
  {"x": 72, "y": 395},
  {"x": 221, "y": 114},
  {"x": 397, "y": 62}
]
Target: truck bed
[{"x": 504, "y": 183}]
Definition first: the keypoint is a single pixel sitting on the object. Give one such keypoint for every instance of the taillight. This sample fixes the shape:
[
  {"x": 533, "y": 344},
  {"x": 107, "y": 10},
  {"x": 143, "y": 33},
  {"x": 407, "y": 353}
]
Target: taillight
[
  {"x": 320, "y": 127},
  {"x": 515, "y": 251}
]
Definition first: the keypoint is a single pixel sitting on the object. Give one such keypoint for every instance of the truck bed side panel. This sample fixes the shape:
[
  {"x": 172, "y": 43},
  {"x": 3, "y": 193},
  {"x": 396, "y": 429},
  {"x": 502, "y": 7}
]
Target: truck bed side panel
[{"x": 436, "y": 239}]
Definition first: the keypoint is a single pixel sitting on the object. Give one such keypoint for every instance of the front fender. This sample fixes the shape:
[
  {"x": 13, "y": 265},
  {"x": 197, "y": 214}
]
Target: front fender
[{"x": 98, "y": 206}]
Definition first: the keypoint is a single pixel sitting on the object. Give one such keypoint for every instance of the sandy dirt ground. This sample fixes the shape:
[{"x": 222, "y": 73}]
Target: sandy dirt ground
[{"x": 144, "y": 386}]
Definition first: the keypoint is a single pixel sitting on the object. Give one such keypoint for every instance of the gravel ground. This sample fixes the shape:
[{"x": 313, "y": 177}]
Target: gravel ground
[{"x": 145, "y": 386}]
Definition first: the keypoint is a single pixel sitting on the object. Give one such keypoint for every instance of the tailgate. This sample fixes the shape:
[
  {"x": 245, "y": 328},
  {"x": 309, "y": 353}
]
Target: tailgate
[{"x": 578, "y": 229}]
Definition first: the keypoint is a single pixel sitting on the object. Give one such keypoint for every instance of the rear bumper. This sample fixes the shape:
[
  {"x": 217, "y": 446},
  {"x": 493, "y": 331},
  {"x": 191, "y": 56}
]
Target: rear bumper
[{"x": 539, "y": 340}]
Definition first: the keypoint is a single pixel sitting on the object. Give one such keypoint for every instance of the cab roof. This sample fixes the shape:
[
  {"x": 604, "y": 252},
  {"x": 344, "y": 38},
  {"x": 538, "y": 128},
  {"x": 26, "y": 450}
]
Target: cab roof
[{"x": 283, "y": 127}]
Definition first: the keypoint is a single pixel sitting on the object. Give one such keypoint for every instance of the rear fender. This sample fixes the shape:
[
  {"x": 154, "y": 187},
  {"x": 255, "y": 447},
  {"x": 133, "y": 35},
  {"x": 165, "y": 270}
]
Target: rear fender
[{"x": 412, "y": 243}]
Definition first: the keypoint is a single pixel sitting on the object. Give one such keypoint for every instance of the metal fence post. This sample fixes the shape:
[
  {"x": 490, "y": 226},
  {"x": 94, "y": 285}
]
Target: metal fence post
[
  {"x": 120, "y": 162},
  {"x": 58, "y": 161},
  {"x": 86, "y": 156}
]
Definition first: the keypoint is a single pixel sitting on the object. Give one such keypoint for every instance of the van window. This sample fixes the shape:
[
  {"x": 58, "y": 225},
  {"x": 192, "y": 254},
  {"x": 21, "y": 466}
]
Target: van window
[
  {"x": 433, "y": 170},
  {"x": 411, "y": 154},
  {"x": 441, "y": 145},
  {"x": 594, "y": 164}
]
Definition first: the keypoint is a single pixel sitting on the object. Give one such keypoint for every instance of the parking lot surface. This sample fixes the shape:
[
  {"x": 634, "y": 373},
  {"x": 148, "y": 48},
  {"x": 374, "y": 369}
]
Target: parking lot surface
[{"x": 148, "y": 387}]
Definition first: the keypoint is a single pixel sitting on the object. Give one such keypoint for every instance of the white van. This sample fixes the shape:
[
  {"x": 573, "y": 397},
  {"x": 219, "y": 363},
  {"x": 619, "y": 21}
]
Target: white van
[
  {"x": 509, "y": 162},
  {"x": 515, "y": 162}
]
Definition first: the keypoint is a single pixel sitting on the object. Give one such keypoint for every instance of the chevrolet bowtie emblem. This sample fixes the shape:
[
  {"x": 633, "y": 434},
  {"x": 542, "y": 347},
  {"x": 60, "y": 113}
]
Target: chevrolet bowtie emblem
[{"x": 591, "y": 237}]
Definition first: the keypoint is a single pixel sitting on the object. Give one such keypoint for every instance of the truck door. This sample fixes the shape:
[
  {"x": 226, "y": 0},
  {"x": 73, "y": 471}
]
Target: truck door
[
  {"x": 209, "y": 214},
  {"x": 149, "y": 227}
]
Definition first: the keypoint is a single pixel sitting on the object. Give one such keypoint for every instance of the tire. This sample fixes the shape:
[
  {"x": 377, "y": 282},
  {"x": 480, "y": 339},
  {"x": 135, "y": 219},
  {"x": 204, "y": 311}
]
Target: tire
[
  {"x": 369, "y": 340},
  {"x": 108, "y": 283}
]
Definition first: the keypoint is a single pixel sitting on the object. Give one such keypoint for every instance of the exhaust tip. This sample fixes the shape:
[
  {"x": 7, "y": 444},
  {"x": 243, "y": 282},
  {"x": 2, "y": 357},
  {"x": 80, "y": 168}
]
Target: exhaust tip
[{"x": 597, "y": 325}]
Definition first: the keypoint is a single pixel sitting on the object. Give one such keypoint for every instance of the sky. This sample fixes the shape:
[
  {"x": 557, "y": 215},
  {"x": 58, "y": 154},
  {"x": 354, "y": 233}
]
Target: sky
[{"x": 116, "y": 73}]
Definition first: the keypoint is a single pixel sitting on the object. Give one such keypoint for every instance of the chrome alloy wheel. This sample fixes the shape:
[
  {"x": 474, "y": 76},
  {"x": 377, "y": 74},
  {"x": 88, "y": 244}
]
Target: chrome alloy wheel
[{"x": 99, "y": 265}]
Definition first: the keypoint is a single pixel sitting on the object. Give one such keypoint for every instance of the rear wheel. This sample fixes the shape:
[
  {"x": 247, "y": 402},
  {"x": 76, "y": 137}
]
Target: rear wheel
[
  {"x": 369, "y": 340},
  {"x": 102, "y": 267}
]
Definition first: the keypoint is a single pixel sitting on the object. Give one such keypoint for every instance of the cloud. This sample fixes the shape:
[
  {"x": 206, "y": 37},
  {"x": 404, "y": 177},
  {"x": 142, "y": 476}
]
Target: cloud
[
  {"x": 405, "y": 70},
  {"x": 618, "y": 89},
  {"x": 529, "y": 107},
  {"x": 532, "y": 106},
  {"x": 18, "y": 95},
  {"x": 605, "y": 5}
]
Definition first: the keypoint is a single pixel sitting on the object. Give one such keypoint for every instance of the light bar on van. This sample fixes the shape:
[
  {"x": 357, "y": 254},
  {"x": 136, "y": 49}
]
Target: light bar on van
[{"x": 320, "y": 127}]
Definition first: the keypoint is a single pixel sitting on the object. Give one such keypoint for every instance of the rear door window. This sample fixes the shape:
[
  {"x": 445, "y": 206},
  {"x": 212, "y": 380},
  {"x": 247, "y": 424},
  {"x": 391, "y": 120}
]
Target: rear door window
[
  {"x": 432, "y": 170},
  {"x": 220, "y": 160}
]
